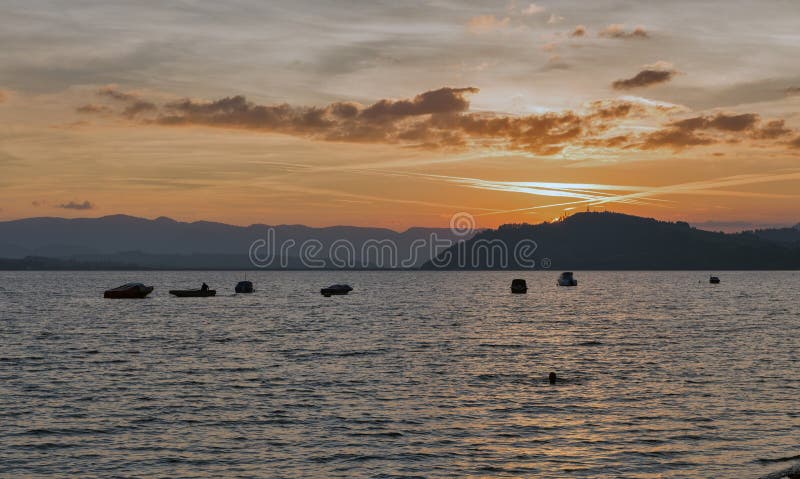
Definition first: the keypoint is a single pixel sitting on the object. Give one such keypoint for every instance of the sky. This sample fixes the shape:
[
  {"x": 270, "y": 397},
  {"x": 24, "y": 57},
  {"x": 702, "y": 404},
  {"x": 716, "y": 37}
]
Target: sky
[{"x": 400, "y": 114}]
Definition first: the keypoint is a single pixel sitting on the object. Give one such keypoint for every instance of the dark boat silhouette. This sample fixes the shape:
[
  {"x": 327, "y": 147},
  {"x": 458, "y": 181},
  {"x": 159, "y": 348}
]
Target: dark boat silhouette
[
  {"x": 128, "y": 291},
  {"x": 203, "y": 292},
  {"x": 566, "y": 279},
  {"x": 244, "y": 287},
  {"x": 336, "y": 289},
  {"x": 714, "y": 280},
  {"x": 519, "y": 286}
]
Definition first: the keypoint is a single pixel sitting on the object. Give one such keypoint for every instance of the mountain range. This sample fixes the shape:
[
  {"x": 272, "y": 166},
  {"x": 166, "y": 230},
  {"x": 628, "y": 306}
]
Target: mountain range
[
  {"x": 614, "y": 241},
  {"x": 581, "y": 241},
  {"x": 163, "y": 243}
]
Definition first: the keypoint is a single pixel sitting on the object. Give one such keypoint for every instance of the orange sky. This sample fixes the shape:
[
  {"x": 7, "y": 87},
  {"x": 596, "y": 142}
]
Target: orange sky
[{"x": 513, "y": 112}]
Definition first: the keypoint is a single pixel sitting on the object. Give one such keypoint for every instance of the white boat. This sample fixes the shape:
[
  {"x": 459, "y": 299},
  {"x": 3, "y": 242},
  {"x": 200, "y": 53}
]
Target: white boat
[{"x": 566, "y": 279}]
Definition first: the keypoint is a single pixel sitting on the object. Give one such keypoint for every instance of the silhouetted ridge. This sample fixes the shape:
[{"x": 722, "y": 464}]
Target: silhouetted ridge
[{"x": 618, "y": 241}]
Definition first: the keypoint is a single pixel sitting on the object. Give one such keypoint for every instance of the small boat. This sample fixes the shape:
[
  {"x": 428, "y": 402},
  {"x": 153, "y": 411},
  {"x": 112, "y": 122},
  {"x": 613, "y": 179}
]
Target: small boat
[
  {"x": 335, "y": 289},
  {"x": 128, "y": 291},
  {"x": 714, "y": 280},
  {"x": 566, "y": 279},
  {"x": 244, "y": 287},
  {"x": 519, "y": 286},
  {"x": 193, "y": 293}
]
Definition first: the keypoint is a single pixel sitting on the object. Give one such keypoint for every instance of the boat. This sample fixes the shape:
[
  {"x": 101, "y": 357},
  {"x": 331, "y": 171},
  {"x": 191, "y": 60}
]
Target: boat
[
  {"x": 566, "y": 279},
  {"x": 128, "y": 291},
  {"x": 714, "y": 280},
  {"x": 335, "y": 289},
  {"x": 244, "y": 287},
  {"x": 203, "y": 292},
  {"x": 519, "y": 286}
]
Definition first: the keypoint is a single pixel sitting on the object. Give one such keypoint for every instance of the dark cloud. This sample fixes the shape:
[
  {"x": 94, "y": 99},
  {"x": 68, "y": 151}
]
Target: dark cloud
[
  {"x": 618, "y": 31},
  {"x": 93, "y": 108},
  {"x": 792, "y": 91},
  {"x": 139, "y": 106},
  {"x": 674, "y": 138},
  {"x": 112, "y": 92},
  {"x": 772, "y": 130},
  {"x": 711, "y": 129},
  {"x": 644, "y": 78},
  {"x": 72, "y": 205},
  {"x": 135, "y": 104},
  {"x": 720, "y": 121},
  {"x": 795, "y": 143},
  {"x": 443, "y": 100}
]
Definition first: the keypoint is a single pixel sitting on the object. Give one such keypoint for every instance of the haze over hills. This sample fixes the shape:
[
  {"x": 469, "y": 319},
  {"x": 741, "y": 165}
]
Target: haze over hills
[
  {"x": 166, "y": 243},
  {"x": 581, "y": 241},
  {"x": 618, "y": 241}
]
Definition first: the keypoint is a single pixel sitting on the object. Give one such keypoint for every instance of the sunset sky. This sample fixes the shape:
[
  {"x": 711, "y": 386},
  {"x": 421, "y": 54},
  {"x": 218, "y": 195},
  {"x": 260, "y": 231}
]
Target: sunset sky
[{"x": 400, "y": 113}]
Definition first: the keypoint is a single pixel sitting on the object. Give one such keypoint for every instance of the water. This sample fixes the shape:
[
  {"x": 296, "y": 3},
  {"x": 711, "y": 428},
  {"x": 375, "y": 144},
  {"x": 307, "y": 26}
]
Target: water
[{"x": 414, "y": 374}]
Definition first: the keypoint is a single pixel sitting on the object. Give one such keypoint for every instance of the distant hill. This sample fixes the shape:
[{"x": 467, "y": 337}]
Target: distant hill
[
  {"x": 781, "y": 235},
  {"x": 618, "y": 241},
  {"x": 164, "y": 243}
]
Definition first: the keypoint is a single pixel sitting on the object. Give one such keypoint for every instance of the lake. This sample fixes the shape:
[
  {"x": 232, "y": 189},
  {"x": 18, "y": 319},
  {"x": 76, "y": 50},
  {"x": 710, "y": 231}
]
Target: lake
[{"x": 414, "y": 374}]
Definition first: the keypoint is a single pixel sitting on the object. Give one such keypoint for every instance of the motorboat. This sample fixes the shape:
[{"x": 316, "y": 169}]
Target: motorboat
[
  {"x": 203, "y": 292},
  {"x": 714, "y": 280},
  {"x": 244, "y": 287},
  {"x": 519, "y": 286},
  {"x": 128, "y": 291},
  {"x": 566, "y": 279},
  {"x": 335, "y": 289}
]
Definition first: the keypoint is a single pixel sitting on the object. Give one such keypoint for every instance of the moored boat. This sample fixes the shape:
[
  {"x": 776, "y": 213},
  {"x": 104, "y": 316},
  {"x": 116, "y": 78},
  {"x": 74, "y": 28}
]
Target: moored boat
[
  {"x": 244, "y": 287},
  {"x": 566, "y": 279},
  {"x": 519, "y": 286},
  {"x": 193, "y": 293},
  {"x": 714, "y": 280},
  {"x": 128, "y": 291},
  {"x": 336, "y": 289}
]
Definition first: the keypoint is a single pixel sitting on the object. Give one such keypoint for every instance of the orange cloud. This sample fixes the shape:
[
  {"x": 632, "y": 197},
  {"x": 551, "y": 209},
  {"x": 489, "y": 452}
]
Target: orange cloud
[
  {"x": 617, "y": 30},
  {"x": 486, "y": 23},
  {"x": 93, "y": 108},
  {"x": 440, "y": 119},
  {"x": 579, "y": 31}
]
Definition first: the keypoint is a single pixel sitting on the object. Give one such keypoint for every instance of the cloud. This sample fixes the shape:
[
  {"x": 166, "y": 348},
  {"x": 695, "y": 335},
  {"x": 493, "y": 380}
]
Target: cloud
[
  {"x": 138, "y": 106},
  {"x": 111, "y": 91},
  {"x": 617, "y": 30},
  {"x": 644, "y": 78},
  {"x": 554, "y": 19},
  {"x": 93, "y": 108},
  {"x": 436, "y": 119},
  {"x": 72, "y": 205},
  {"x": 792, "y": 91},
  {"x": 579, "y": 31},
  {"x": 3, "y": 95},
  {"x": 711, "y": 129},
  {"x": 772, "y": 130},
  {"x": 486, "y": 24},
  {"x": 441, "y": 119},
  {"x": 533, "y": 9}
]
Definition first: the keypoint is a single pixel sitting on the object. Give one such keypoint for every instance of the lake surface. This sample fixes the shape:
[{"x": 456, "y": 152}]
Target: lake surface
[{"x": 414, "y": 374}]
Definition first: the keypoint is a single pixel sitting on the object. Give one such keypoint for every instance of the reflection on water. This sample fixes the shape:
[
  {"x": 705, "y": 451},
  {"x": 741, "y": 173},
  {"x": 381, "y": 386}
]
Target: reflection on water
[{"x": 431, "y": 374}]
